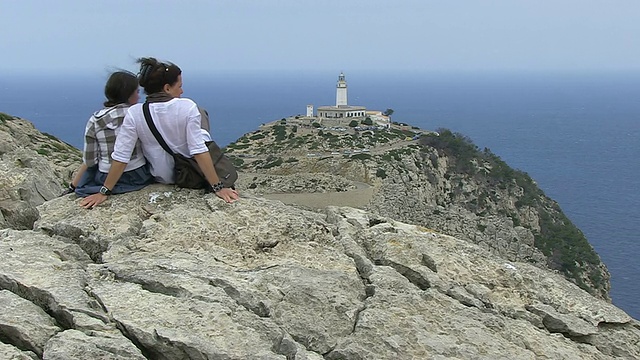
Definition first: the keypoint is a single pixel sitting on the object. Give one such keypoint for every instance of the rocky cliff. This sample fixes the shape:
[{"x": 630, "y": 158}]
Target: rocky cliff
[
  {"x": 167, "y": 273},
  {"x": 438, "y": 180},
  {"x": 33, "y": 169}
]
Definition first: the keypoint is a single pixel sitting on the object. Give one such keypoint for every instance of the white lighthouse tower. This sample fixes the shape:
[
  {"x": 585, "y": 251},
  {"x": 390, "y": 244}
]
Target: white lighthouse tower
[
  {"x": 341, "y": 91},
  {"x": 341, "y": 110}
]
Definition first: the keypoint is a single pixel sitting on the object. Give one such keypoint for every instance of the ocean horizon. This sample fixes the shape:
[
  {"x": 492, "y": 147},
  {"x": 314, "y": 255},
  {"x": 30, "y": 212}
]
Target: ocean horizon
[{"x": 575, "y": 134}]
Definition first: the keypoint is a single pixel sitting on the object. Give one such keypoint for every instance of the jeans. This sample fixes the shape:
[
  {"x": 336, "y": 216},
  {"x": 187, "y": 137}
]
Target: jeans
[{"x": 132, "y": 180}]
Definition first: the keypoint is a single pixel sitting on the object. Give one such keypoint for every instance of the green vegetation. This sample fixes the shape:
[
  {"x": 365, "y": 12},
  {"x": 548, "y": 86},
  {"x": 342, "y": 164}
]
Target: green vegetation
[
  {"x": 316, "y": 124},
  {"x": 367, "y": 121},
  {"x": 558, "y": 238},
  {"x": 280, "y": 132},
  {"x": 381, "y": 173},
  {"x": 257, "y": 137},
  {"x": 361, "y": 157},
  {"x": 387, "y": 112},
  {"x": 4, "y": 117},
  {"x": 237, "y": 162},
  {"x": 237, "y": 146},
  {"x": 272, "y": 161},
  {"x": 568, "y": 249},
  {"x": 353, "y": 123}
]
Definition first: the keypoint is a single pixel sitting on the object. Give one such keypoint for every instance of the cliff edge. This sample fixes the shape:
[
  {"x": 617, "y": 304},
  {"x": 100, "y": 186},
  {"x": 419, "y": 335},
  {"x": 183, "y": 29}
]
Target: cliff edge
[
  {"x": 168, "y": 273},
  {"x": 439, "y": 180}
]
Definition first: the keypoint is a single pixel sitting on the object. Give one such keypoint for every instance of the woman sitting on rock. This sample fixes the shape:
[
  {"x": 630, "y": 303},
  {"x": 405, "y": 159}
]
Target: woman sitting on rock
[
  {"x": 121, "y": 91},
  {"x": 178, "y": 121}
]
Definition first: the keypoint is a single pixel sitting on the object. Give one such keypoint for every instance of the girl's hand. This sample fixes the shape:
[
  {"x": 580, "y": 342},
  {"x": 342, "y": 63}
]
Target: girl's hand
[
  {"x": 92, "y": 201},
  {"x": 227, "y": 194}
]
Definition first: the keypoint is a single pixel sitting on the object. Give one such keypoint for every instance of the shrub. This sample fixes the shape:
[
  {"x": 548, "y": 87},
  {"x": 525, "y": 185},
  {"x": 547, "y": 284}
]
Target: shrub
[
  {"x": 4, "y": 117},
  {"x": 367, "y": 121},
  {"x": 237, "y": 162},
  {"x": 257, "y": 137},
  {"x": 381, "y": 173},
  {"x": 316, "y": 124},
  {"x": 361, "y": 156},
  {"x": 353, "y": 123},
  {"x": 276, "y": 162},
  {"x": 280, "y": 132}
]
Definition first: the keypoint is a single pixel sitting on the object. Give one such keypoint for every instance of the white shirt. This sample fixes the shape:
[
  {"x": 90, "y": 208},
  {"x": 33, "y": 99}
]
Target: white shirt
[{"x": 177, "y": 120}]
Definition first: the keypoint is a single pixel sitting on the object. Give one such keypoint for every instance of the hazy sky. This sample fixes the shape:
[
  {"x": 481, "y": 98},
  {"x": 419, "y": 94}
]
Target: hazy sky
[{"x": 277, "y": 35}]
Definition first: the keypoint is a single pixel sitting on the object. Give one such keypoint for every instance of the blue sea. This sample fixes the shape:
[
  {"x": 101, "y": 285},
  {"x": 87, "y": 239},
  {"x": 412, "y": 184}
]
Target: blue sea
[{"x": 576, "y": 134}]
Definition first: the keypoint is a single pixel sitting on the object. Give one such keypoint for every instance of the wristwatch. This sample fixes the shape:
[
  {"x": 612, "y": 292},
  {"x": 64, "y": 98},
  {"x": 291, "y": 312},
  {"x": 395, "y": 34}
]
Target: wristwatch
[
  {"x": 217, "y": 187},
  {"x": 105, "y": 191}
]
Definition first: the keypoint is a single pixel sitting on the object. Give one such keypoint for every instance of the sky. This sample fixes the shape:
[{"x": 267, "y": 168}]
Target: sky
[{"x": 306, "y": 35}]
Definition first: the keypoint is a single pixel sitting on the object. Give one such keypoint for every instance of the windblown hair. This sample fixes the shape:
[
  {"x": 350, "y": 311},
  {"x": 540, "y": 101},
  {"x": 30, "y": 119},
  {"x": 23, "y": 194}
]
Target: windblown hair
[
  {"x": 154, "y": 74},
  {"x": 119, "y": 88}
]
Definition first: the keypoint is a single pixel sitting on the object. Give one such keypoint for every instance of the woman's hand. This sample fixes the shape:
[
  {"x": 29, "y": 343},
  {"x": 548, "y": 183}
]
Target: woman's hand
[
  {"x": 227, "y": 194},
  {"x": 92, "y": 201}
]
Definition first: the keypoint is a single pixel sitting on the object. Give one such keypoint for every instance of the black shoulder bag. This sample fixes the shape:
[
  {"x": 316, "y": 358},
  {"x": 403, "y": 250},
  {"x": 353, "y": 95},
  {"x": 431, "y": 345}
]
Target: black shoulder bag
[{"x": 187, "y": 171}]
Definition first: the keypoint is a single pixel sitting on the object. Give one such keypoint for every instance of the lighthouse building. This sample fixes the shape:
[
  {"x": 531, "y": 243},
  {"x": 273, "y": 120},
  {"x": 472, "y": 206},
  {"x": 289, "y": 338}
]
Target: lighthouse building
[{"x": 342, "y": 109}]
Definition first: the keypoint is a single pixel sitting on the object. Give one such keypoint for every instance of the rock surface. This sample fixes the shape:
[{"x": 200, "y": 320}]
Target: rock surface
[
  {"x": 440, "y": 180},
  {"x": 167, "y": 273},
  {"x": 33, "y": 169}
]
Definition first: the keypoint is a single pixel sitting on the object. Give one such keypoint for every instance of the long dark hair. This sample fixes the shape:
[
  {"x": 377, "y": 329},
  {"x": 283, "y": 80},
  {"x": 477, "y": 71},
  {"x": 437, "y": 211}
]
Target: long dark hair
[
  {"x": 119, "y": 88},
  {"x": 155, "y": 74}
]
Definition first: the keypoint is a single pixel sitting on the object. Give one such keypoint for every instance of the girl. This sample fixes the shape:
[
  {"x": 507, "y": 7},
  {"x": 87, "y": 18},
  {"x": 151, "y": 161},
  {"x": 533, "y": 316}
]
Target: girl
[
  {"x": 121, "y": 91},
  {"x": 178, "y": 121}
]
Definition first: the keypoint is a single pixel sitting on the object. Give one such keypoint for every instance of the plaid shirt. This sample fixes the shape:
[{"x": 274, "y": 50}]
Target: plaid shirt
[{"x": 100, "y": 137}]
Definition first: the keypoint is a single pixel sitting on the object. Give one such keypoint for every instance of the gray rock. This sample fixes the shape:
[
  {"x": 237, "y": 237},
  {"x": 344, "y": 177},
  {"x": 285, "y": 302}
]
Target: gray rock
[
  {"x": 33, "y": 168},
  {"x": 48, "y": 272},
  {"x": 74, "y": 344},
  {"x": 10, "y": 352},
  {"x": 168, "y": 273},
  {"x": 25, "y": 324}
]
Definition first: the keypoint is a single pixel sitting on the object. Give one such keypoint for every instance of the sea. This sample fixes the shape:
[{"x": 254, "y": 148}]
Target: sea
[{"x": 576, "y": 134}]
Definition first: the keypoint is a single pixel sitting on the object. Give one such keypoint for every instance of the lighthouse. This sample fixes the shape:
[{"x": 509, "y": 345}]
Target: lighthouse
[
  {"x": 341, "y": 91},
  {"x": 341, "y": 110}
]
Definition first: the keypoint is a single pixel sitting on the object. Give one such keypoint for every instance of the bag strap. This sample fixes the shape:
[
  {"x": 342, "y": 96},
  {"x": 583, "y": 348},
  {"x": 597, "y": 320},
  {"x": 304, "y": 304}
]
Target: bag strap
[{"x": 154, "y": 130}]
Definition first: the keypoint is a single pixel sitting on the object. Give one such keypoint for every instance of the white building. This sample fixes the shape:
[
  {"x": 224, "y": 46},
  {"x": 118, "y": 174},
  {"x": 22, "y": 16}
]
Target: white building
[{"x": 341, "y": 110}]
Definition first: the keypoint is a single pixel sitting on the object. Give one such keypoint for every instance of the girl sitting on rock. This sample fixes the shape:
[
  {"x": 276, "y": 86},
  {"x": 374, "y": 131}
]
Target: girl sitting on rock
[
  {"x": 121, "y": 91},
  {"x": 179, "y": 122}
]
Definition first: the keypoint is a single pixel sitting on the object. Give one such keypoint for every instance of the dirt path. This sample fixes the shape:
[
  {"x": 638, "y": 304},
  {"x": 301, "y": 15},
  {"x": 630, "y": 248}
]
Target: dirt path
[{"x": 357, "y": 198}]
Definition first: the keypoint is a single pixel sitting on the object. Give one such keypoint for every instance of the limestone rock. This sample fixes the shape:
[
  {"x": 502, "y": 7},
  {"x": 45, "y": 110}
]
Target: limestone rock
[
  {"x": 33, "y": 168},
  {"x": 168, "y": 273},
  {"x": 25, "y": 324},
  {"x": 441, "y": 181},
  {"x": 260, "y": 279},
  {"x": 10, "y": 352}
]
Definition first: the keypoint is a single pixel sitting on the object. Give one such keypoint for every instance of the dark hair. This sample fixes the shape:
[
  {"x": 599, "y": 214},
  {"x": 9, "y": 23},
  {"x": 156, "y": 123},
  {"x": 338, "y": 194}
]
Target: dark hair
[
  {"x": 119, "y": 88},
  {"x": 154, "y": 74}
]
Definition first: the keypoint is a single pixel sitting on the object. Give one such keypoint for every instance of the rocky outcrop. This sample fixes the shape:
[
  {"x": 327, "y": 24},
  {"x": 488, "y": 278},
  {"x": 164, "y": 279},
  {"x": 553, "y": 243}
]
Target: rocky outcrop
[
  {"x": 441, "y": 181},
  {"x": 164, "y": 273},
  {"x": 168, "y": 273},
  {"x": 34, "y": 168}
]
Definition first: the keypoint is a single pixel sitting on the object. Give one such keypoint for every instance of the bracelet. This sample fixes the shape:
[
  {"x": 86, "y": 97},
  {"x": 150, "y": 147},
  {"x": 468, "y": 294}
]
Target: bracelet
[{"x": 217, "y": 187}]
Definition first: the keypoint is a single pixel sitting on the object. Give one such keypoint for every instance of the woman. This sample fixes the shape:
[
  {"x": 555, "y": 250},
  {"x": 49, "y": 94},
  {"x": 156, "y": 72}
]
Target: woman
[
  {"x": 121, "y": 91},
  {"x": 178, "y": 121}
]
